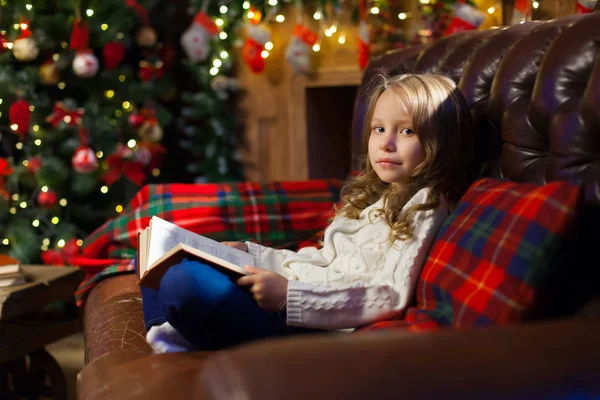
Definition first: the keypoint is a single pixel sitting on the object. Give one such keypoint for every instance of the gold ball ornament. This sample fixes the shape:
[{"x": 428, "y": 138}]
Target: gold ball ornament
[
  {"x": 49, "y": 74},
  {"x": 146, "y": 36},
  {"x": 151, "y": 130},
  {"x": 25, "y": 49}
]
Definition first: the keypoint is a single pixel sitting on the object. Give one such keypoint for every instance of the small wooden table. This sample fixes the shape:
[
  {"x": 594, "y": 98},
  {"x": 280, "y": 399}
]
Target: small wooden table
[{"x": 27, "y": 326}]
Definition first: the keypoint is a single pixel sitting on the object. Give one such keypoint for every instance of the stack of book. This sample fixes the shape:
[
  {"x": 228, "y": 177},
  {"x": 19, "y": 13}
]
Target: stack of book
[{"x": 11, "y": 273}]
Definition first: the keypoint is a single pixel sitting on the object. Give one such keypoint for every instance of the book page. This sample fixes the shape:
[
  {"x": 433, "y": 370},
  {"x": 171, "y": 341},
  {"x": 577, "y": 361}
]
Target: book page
[{"x": 165, "y": 235}]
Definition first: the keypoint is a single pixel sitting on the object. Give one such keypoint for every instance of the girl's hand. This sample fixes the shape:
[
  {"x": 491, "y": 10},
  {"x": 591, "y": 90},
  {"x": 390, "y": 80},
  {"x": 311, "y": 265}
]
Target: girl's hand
[
  {"x": 268, "y": 288},
  {"x": 237, "y": 245}
]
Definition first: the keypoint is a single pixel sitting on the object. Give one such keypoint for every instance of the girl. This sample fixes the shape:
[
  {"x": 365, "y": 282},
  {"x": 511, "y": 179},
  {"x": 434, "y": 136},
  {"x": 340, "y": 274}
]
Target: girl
[{"x": 416, "y": 168}]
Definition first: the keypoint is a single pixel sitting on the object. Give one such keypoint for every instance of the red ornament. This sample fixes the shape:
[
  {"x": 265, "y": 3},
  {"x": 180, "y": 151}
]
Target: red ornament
[
  {"x": 20, "y": 115},
  {"x": 3, "y": 44},
  {"x": 34, "y": 164},
  {"x": 80, "y": 35},
  {"x": 47, "y": 199},
  {"x": 151, "y": 71},
  {"x": 84, "y": 160},
  {"x": 113, "y": 54},
  {"x": 61, "y": 113},
  {"x": 63, "y": 256},
  {"x": 5, "y": 170},
  {"x": 135, "y": 120}
]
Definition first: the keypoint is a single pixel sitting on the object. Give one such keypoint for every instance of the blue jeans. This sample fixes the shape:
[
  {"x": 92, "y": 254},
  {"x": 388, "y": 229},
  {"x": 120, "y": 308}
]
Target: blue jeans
[{"x": 210, "y": 310}]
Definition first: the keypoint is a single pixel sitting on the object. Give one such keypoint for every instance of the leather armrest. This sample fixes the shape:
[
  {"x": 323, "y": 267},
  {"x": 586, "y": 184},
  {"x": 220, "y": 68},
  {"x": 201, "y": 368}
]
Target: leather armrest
[
  {"x": 114, "y": 318},
  {"x": 544, "y": 360}
]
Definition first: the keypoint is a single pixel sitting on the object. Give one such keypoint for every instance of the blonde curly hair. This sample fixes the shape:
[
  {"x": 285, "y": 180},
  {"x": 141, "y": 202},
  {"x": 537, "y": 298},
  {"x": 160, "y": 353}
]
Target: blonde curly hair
[{"x": 442, "y": 122}]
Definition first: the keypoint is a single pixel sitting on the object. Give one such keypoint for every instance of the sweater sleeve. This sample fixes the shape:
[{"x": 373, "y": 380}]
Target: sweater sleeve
[
  {"x": 269, "y": 258},
  {"x": 319, "y": 305},
  {"x": 273, "y": 259}
]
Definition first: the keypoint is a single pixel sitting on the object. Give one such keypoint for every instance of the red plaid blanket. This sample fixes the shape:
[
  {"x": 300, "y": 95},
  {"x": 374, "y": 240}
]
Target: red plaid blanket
[{"x": 279, "y": 214}]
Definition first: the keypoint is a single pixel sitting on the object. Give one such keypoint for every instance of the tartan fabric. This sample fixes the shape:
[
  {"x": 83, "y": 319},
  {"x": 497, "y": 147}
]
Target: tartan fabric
[
  {"x": 279, "y": 214},
  {"x": 494, "y": 253}
]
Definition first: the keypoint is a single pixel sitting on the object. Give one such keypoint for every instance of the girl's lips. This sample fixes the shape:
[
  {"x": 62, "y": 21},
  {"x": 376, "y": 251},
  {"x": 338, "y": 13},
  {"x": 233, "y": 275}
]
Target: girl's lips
[{"x": 387, "y": 161}]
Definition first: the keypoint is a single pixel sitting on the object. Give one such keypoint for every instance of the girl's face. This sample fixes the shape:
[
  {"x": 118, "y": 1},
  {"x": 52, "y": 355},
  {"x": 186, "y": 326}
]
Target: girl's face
[{"x": 394, "y": 148}]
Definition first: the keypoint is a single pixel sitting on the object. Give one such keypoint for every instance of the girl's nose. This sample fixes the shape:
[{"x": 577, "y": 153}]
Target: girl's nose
[{"x": 387, "y": 143}]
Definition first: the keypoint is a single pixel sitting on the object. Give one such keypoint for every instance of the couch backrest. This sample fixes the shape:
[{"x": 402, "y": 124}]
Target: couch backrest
[{"x": 534, "y": 92}]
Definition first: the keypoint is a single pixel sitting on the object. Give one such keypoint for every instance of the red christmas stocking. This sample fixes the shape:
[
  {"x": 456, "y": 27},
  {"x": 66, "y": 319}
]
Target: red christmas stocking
[
  {"x": 464, "y": 18},
  {"x": 585, "y": 6}
]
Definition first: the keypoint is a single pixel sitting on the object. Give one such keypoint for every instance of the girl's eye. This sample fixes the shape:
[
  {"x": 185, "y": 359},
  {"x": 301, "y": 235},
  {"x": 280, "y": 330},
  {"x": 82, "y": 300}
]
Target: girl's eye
[
  {"x": 378, "y": 129},
  {"x": 407, "y": 131}
]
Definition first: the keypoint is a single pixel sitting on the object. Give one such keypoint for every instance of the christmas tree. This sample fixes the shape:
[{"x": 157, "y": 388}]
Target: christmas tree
[{"x": 82, "y": 88}]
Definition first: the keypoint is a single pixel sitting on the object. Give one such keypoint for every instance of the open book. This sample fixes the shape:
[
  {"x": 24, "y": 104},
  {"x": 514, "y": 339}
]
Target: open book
[{"x": 163, "y": 244}]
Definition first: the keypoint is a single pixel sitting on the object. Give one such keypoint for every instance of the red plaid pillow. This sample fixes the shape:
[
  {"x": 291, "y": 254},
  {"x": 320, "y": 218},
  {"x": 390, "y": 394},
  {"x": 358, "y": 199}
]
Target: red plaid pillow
[{"x": 493, "y": 257}]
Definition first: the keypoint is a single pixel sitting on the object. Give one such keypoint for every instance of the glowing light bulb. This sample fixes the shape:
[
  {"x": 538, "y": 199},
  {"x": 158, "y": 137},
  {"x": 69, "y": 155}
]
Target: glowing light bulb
[
  {"x": 213, "y": 71},
  {"x": 374, "y": 10},
  {"x": 131, "y": 143},
  {"x": 89, "y": 12},
  {"x": 279, "y": 18},
  {"x": 269, "y": 46},
  {"x": 402, "y": 16},
  {"x": 223, "y": 9},
  {"x": 223, "y": 35},
  {"x": 264, "y": 54}
]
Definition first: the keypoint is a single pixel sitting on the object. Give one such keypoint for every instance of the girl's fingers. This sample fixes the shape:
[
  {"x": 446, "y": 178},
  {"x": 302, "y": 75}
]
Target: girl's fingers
[
  {"x": 246, "y": 280},
  {"x": 254, "y": 270}
]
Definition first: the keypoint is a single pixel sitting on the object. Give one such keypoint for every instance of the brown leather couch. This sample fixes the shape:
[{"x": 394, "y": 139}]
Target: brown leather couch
[{"x": 535, "y": 94}]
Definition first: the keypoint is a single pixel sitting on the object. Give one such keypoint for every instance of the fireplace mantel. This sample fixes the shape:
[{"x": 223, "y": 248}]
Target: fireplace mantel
[{"x": 305, "y": 123}]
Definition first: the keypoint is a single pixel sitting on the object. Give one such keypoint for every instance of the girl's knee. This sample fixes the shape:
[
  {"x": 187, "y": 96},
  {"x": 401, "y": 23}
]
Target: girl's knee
[{"x": 195, "y": 283}]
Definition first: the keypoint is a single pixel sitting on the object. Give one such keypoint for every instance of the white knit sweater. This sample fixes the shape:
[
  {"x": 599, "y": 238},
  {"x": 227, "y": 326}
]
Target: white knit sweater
[{"x": 358, "y": 276}]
